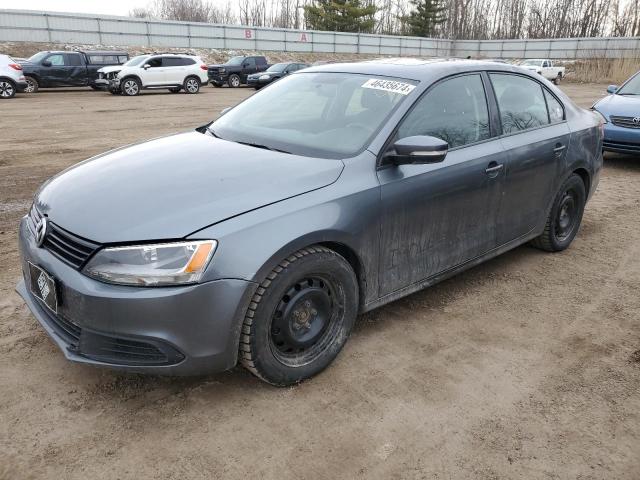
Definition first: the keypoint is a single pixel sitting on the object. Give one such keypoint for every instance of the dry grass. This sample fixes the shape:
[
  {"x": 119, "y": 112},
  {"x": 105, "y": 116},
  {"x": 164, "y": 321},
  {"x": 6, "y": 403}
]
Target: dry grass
[{"x": 602, "y": 70}]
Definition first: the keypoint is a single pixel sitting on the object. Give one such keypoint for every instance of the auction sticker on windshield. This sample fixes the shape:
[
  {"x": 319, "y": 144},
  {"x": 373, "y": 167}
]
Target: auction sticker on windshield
[{"x": 389, "y": 86}]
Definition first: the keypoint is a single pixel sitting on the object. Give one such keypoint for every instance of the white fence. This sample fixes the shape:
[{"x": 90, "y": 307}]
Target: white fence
[{"x": 52, "y": 27}]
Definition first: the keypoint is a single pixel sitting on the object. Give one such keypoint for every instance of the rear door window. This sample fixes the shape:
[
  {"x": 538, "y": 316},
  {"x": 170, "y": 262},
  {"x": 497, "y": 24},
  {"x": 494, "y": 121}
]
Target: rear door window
[
  {"x": 556, "y": 111},
  {"x": 172, "y": 62},
  {"x": 521, "y": 102},
  {"x": 454, "y": 110},
  {"x": 73, "y": 59}
]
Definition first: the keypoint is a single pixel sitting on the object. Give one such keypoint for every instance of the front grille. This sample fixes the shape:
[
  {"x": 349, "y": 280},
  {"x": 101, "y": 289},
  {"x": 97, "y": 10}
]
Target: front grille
[
  {"x": 626, "y": 122},
  {"x": 66, "y": 246}
]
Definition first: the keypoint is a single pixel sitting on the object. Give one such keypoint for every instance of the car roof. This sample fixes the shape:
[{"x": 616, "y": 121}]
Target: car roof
[
  {"x": 103, "y": 52},
  {"x": 415, "y": 68}
]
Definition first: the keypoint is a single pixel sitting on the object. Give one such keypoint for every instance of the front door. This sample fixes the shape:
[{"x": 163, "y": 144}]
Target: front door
[
  {"x": 56, "y": 73},
  {"x": 438, "y": 216},
  {"x": 156, "y": 73}
]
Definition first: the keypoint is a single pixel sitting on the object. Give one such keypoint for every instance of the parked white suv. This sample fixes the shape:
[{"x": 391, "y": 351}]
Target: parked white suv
[
  {"x": 168, "y": 70},
  {"x": 11, "y": 77}
]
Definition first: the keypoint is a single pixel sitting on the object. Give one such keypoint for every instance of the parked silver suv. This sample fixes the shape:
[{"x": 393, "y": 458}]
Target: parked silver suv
[{"x": 11, "y": 77}]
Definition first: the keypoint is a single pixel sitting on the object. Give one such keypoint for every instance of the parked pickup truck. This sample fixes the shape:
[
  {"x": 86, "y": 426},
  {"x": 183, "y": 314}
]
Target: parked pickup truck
[
  {"x": 235, "y": 72},
  {"x": 545, "y": 68},
  {"x": 68, "y": 69}
]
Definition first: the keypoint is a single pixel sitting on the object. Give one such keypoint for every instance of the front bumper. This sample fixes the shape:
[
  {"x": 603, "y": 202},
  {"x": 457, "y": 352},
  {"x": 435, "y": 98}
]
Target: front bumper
[
  {"x": 187, "y": 330},
  {"x": 256, "y": 82},
  {"x": 621, "y": 139},
  {"x": 217, "y": 78}
]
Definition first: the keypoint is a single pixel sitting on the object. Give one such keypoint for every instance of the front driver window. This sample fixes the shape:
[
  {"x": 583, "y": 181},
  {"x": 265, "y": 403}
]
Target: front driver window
[
  {"x": 454, "y": 110},
  {"x": 521, "y": 102},
  {"x": 57, "y": 60}
]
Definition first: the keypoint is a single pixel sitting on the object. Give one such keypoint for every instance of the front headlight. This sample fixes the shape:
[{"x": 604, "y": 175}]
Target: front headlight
[
  {"x": 221, "y": 70},
  {"x": 599, "y": 115},
  {"x": 264, "y": 77},
  {"x": 152, "y": 265}
]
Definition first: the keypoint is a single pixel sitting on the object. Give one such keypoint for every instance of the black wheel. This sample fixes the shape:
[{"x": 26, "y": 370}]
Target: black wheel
[
  {"x": 95, "y": 87},
  {"x": 234, "y": 81},
  {"x": 7, "y": 89},
  {"x": 130, "y": 86},
  {"x": 565, "y": 216},
  {"x": 191, "y": 85},
  {"x": 300, "y": 317},
  {"x": 115, "y": 92},
  {"x": 32, "y": 84},
  {"x": 175, "y": 90},
  {"x": 556, "y": 80},
  {"x": 216, "y": 85}
]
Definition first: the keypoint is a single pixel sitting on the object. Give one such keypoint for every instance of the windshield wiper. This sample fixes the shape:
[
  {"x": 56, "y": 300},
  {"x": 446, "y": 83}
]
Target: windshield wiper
[
  {"x": 266, "y": 147},
  {"x": 628, "y": 93}
]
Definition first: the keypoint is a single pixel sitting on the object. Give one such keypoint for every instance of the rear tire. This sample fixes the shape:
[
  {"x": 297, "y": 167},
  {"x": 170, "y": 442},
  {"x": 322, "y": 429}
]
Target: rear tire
[
  {"x": 32, "y": 85},
  {"x": 564, "y": 218},
  {"x": 191, "y": 85},
  {"x": 130, "y": 87},
  {"x": 7, "y": 89},
  {"x": 300, "y": 317},
  {"x": 234, "y": 81},
  {"x": 556, "y": 81}
]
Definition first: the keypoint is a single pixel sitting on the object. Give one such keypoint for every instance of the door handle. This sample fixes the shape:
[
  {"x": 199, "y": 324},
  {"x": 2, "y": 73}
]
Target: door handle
[
  {"x": 559, "y": 148},
  {"x": 494, "y": 168}
]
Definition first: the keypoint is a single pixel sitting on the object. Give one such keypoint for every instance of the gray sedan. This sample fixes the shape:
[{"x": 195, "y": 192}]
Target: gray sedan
[{"x": 258, "y": 239}]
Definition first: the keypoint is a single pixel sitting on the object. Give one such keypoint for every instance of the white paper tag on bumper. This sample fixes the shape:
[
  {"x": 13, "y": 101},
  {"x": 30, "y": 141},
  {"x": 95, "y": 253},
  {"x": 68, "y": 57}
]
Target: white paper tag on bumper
[{"x": 389, "y": 86}]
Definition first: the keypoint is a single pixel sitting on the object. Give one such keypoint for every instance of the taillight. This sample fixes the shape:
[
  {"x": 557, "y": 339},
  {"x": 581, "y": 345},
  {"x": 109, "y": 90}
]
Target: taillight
[
  {"x": 15, "y": 66},
  {"x": 204, "y": 67}
]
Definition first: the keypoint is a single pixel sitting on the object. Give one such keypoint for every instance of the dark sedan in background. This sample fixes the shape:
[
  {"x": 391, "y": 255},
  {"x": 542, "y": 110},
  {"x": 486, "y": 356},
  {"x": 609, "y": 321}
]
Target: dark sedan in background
[
  {"x": 273, "y": 73},
  {"x": 259, "y": 238},
  {"x": 621, "y": 112}
]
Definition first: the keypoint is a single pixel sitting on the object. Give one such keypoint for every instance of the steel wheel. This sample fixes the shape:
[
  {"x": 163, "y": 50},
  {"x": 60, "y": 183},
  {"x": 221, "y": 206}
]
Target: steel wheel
[
  {"x": 7, "y": 90},
  {"x": 566, "y": 219},
  {"x": 305, "y": 320},
  {"x": 131, "y": 87},
  {"x": 192, "y": 85}
]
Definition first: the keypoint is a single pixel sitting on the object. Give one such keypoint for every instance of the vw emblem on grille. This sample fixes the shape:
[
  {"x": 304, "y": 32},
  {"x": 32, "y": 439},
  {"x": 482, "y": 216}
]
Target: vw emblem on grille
[
  {"x": 41, "y": 231},
  {"x": 636, "y": 120}
]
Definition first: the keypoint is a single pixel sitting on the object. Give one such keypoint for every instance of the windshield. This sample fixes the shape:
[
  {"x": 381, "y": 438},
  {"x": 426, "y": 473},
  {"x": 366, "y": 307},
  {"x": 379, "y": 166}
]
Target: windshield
[
  {"x": 535, "y": 63},
  {"x": 278, "y": 67},
  {"x": 632, "y": 87},
  {"x": 235, "y": 61},
  {"x": 135, "y": 61},
  {"x": 38, "y": 57},
  {"x": 328, "y": 115}
]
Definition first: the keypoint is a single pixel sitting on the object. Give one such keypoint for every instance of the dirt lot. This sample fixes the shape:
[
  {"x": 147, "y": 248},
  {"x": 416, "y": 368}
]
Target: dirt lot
[{"x": 525, "y": 367}]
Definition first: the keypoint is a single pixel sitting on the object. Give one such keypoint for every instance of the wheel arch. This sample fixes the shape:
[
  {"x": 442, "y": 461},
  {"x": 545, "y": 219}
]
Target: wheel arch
[
  {"x": 583, "y": 173},
  {"x": 335, "y": 241},
  {"x": 9, "y": 79}
]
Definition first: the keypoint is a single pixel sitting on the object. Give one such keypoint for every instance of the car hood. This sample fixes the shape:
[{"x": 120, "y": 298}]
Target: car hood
[
  {"x": 112, "y": 68},
  {"x": 625, "y": 106},
  {"x": 171, "y": 187}
]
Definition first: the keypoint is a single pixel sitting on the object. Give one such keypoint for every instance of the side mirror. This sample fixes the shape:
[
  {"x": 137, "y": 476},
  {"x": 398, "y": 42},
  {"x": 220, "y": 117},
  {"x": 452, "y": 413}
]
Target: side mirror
[
  {"x": 146, "y": 66},
  {"x": 612, "y": 89},
  {"x": 46, "y": 63},
  {"x": 224, "y": 110},
  {"x": 419, "y": 150}
]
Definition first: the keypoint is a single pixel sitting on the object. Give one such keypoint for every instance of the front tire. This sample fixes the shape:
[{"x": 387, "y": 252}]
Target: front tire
[
  {"x": 565, "y": 216},
  {"x": 191, "y": 85},
  {"x": 32, "y": 85},
  {"x": 234, "y": 81},
  {"x": 300, "y": 317},
  {"x": 7, "y": 89},
  {"x": 131, "y": 87},
  {"x": 556, "y": 81}
]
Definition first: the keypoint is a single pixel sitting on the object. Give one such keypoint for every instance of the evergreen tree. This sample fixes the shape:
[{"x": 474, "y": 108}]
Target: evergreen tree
[
  {"x": 340, "y": 16},
  {"x": 426, "y": 15}
]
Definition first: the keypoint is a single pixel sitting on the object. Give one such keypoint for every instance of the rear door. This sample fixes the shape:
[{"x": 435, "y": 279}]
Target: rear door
[
  {"x": 438, "y": 216},
  {"x": 175, "y": 69},
  {"x": 535, "y": 138}
]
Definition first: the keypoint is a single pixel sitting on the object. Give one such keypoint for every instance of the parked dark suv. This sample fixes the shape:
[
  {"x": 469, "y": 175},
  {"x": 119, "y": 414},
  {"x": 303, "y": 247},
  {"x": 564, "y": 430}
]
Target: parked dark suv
[
  {"x": 235, "y": 72},
  {"x": 68, "y": 69}
]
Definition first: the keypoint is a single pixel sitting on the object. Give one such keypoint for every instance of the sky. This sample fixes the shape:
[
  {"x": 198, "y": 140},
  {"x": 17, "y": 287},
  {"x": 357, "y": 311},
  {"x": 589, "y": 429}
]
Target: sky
[{"x": 105, "y": 7}]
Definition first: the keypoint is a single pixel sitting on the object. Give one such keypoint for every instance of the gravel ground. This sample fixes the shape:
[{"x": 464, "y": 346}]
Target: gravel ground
[{"x": 527, "y": 366}]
